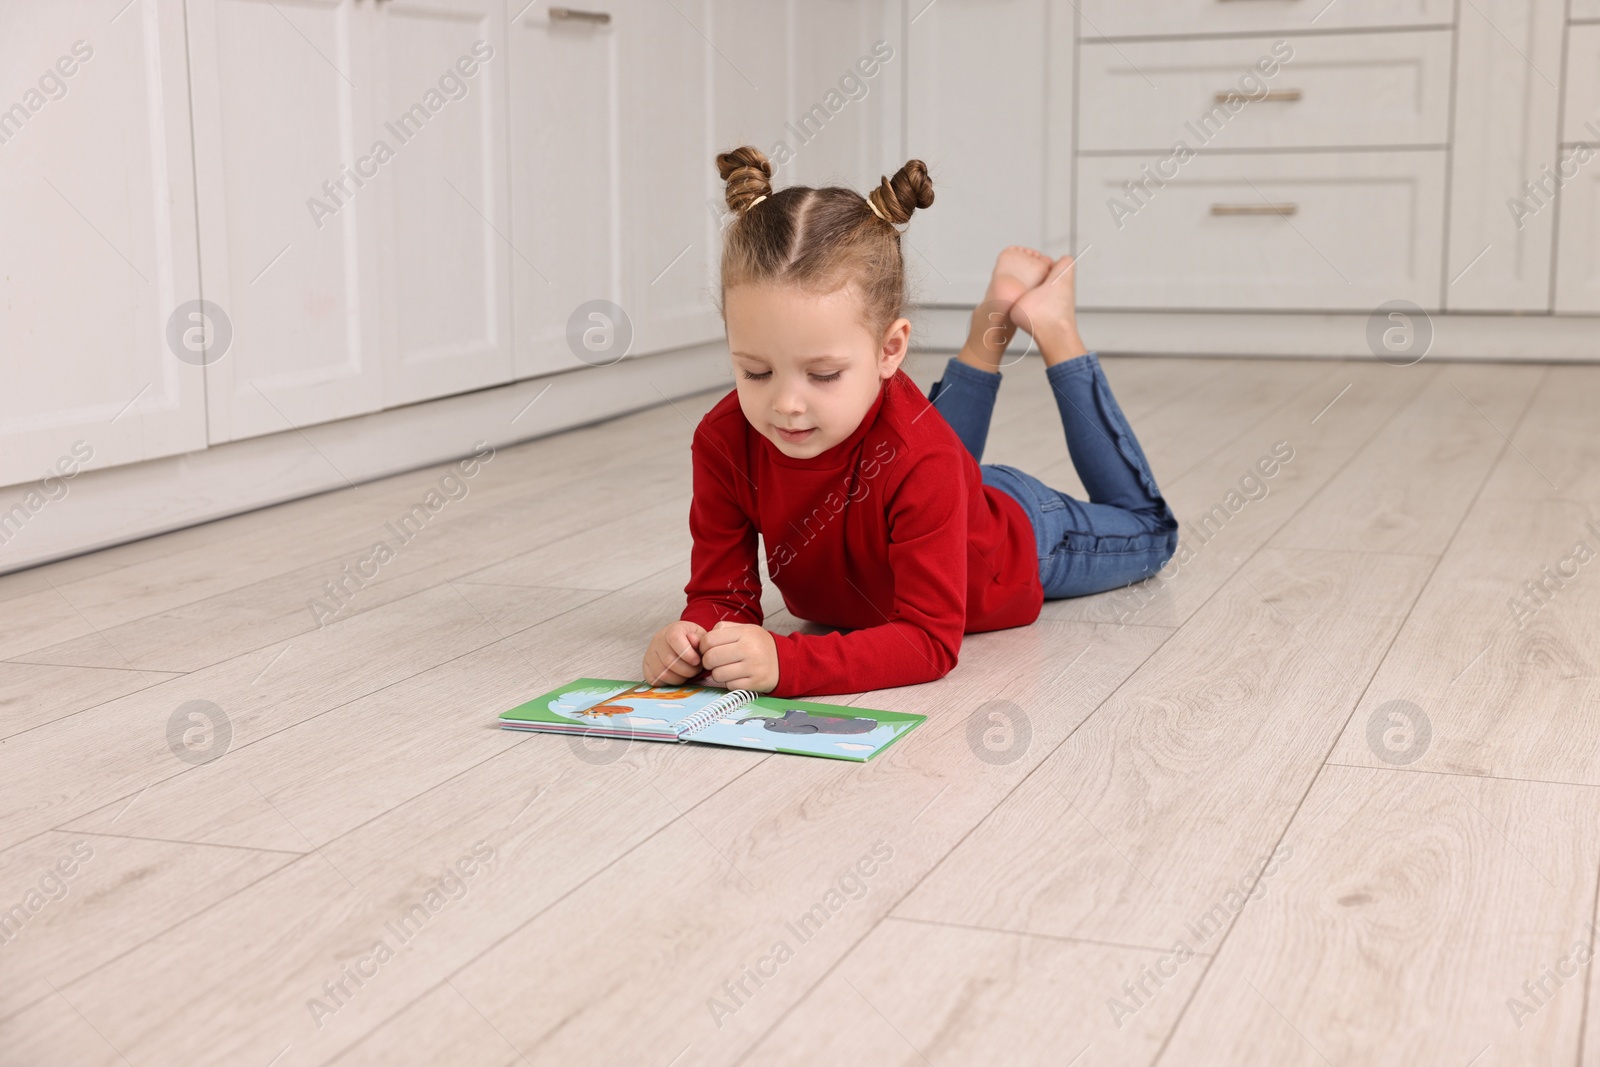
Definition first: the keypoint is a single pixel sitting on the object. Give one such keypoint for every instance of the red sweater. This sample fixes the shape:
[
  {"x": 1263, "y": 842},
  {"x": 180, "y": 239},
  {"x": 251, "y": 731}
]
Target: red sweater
[{"x": 890, "y": 534}]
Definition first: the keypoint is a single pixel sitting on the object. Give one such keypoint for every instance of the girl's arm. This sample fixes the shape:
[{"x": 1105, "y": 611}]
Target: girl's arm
[
  {"x": 724, "y": 582},
  {"x": 920, "y": 636}
]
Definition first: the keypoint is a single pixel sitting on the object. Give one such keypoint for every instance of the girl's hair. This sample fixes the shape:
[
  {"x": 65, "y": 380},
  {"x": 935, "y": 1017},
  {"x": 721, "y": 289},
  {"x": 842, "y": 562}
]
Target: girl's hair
[{"x": 820, "y": 239}]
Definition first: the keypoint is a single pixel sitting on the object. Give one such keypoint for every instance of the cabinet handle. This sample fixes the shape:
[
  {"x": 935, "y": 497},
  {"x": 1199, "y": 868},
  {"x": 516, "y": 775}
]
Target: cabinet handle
[
  {"x": 1255, "y": 209},
  {"x": 574, "y": 15},
  {"x": 1280, "y": 96}
]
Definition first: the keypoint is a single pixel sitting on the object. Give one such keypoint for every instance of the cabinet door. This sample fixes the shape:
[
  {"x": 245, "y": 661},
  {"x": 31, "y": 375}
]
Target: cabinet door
[
  {"x": 564, "y": 115},
  {"x": 1293, "y": 231},
  {"x": 288, "y": 209},
  {"x": 666, "y": 60},
  {"x": 975, "y": 106},
  {"x": 97, "y": 213},
  {"x": 1578, "y": 244},
  {"x": 754, "y": 100},
  {"x": 845, "y": 63},
  {"x": 1324, "y": 91},
  {"x": 1508, "y": 64},
  {"x": 444, "y": 263}
]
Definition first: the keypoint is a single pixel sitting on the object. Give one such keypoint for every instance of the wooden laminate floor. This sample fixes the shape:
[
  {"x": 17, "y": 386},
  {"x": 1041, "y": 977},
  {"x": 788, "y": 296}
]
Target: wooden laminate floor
[{"x": 1326, "y": 793}]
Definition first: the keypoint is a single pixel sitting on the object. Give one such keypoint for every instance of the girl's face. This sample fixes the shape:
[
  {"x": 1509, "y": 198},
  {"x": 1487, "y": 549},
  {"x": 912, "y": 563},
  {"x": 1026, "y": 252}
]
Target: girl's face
[{"x": 806, "y": 369}]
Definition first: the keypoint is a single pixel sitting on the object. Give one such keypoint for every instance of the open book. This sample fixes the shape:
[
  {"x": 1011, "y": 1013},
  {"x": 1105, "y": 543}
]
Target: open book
[{"x": 738, "y": 717}]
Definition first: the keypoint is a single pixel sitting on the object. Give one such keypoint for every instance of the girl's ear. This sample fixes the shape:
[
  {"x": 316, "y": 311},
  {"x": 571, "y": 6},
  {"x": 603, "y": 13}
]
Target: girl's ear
[{"x": 896, "y": 343}]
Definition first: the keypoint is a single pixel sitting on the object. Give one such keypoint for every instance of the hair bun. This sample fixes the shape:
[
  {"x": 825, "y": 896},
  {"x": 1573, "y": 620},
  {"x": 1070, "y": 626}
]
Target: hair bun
[
  {"x": 748, "y": 174},
  {"x": 909, "y": 189}
]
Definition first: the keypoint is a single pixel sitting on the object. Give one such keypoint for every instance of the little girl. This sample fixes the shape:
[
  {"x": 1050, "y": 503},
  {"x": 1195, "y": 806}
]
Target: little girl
[{"x": 875, "y": 517}]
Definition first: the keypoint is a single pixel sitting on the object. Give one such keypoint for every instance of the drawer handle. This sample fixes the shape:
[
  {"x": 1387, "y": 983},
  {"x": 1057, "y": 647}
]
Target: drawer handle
[
  {"x": 574, "y": 15},
  {"x": 1255, "y": 209},
  {"x": 1273, "y": 96}
]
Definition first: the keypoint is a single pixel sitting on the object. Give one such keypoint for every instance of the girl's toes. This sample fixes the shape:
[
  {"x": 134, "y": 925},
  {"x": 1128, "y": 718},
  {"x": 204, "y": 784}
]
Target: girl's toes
[
  {"x": 1059, "y": 268},
  {"x": 1024, "y": 264}
]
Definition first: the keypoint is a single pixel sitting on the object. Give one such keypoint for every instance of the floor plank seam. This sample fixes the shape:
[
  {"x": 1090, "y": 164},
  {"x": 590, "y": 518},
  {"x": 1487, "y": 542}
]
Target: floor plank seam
[
  {"x": 109, "y": 700},
  {"x": 1066, "y": 938},
  {"x": 1460, "y": 774},
  {"x": 182, "y": 841}
]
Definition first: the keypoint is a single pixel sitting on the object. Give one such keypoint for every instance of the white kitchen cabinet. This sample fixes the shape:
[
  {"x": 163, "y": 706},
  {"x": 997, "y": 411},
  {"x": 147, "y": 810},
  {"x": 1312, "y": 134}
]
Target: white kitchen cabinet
[
  {"x": 289, "y": 236},
  {"x": 1296, "y": 91},
  {"x": 444, "y": 259},
  {"x": 565, "y": 117},
  {"x": 98, "y": 250},
  {"x": 984, "y": 148},
  {"x": 354, "y": 204},
  {"x": 611, "y": 123},
  {"x": 845, "y": 65},
  {"x": 1061, "y": 77},
  {"x": 815, "y": 85},
  {"x": 1292, "y": 231},
  {"x": 1578, "y": 244},
  {"x": 752, "y": 98},
  {"x": 1581, "y": 111},
  {"x": 1508, "y": 53},
  {"x": 668, "y": 67}
]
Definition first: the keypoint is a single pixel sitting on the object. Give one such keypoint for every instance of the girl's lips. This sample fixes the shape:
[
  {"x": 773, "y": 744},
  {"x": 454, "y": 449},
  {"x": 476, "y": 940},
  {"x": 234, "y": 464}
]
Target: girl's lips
[{"x": 795, "y": 436}]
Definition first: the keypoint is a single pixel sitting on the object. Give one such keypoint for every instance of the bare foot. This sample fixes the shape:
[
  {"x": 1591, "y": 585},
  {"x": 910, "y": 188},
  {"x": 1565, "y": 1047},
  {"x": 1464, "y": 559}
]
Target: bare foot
[
  {"x": 1049, "y": 313},
  {"x": 1016, "y": 271}
]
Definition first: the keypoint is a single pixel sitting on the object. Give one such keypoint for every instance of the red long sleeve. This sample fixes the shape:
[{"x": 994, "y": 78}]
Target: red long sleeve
[{"x": 890, "y": 535}]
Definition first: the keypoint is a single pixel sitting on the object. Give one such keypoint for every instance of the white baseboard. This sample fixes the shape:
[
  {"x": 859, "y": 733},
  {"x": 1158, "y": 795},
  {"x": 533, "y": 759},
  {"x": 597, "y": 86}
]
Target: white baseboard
[
  {"x": 1530, "y": 338},
  {"x": 118, "y": 504}
]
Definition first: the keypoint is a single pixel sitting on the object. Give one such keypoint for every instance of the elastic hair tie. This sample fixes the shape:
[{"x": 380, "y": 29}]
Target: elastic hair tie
[
  {"x": 756, "y": 201},
  {"x": 876, "y": 212}
]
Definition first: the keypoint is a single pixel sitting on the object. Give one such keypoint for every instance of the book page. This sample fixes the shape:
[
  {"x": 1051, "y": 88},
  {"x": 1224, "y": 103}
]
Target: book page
[
  {"x": 615, "y": 707},
  {"x": 804, "y": 727}
]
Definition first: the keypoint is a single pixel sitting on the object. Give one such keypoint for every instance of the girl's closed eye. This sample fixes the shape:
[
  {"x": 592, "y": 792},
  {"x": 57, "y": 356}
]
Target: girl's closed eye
[
  {"x": 751, "y": 377},
  {"x": 827, "y": 377}
]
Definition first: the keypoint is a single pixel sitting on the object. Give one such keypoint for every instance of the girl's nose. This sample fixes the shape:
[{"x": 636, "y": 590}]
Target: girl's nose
[{"x": 788, "y": 401}]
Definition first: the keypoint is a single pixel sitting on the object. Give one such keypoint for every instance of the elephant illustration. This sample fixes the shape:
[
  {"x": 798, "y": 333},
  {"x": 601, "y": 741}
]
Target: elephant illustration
[{"x": 802, "y": 722}]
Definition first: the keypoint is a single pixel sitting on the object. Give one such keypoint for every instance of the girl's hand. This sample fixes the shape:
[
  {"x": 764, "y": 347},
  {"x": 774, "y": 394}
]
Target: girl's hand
[
  {"x": 674, "y": 653},
  {"x": 740, "y": 655}
]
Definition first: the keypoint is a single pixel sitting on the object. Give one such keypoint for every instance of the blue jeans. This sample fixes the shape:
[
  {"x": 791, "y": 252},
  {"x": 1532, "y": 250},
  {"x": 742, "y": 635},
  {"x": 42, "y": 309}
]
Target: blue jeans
[{"x": 1124, "y": 532}]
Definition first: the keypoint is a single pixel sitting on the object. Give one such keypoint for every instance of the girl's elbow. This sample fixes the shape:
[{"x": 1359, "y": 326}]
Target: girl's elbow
[{"x": 945, "y": 655}]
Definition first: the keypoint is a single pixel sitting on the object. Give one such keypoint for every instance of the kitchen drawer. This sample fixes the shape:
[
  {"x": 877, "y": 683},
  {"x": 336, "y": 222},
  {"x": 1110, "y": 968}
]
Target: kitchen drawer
[
  {"x": 1582, "y": 111},
  {"x": 1324, "y": 91},
  {"x": 1365, "y": 228},
  {"x": 1578, "y": 244},
  {"x": 1164, "y": 18}
]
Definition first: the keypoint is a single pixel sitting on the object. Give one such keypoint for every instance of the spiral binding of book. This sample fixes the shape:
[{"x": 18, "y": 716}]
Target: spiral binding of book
[{"x": 713, "y": 711}]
